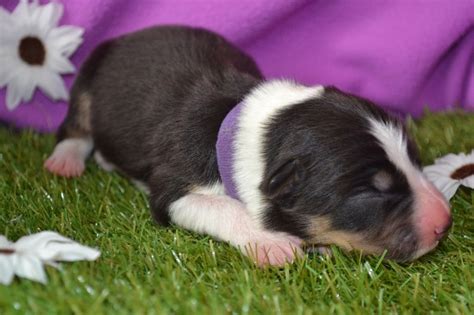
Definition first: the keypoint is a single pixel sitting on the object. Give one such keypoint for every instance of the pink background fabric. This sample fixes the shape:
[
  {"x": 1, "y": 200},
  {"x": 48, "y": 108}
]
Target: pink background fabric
[{"x": 402, "y": 54}]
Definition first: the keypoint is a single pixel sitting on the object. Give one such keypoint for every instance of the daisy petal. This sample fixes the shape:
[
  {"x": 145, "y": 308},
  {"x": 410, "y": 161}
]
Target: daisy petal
[
  {"x": 60, "y": 64},
  {"x": 57, "y": 13},
  {"x": 4, "y": 14},
  {"x": 66, "y": 39},
  {"x": 21, "y": 10},
  {"x": 51, "y": 246},
  {"x": 4, "y": 17},
  {"x": 438, "y": 169},
  {"x": 450, "y": 160},
  {"x": 14, "y": 95},
  {"x": 29, "y": 86},
  {"x": 447, "y": 188},
  {"x": 34, "y": 19},
  {"x": 6, "y": 73},
  {"x": 468, "y": 182},
  {"x": 37, "y": 241},
  {"x": 71, "y": 251},
  {"x": 53, "y": 86},
  {"x": 9, "y": 40},
  {"x": 6, "y": 270},
  {"x": 51, "y": 13},
  {"x": 29, "y": 267},
  {"x": 52, "y": 263},
  {"x": 48, "y": 16},
  {"x": 450, "y": 171},
  {"x": 441, "y": 180},
  {"x": 4, "y": 242},
  {"x": 23, "y": 83}
]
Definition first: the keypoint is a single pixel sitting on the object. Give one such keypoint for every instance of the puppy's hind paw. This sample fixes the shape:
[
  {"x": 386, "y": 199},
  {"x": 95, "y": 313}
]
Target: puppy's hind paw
[
  {"x": 64, "y": 166},
  {"x": 68, "y": 157}
]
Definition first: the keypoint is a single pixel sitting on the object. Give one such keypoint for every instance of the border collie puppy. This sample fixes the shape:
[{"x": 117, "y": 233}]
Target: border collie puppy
[{"x": 264, "y": 165}]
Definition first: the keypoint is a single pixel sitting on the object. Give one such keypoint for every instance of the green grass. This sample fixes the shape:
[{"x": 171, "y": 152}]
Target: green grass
[{"x": 147, "y": 269}]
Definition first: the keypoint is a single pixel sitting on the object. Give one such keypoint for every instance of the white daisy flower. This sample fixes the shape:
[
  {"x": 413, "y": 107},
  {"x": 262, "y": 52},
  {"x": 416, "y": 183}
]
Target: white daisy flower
[
  {"x": 451, "y": 171},
  {"x": 34, "y": 51},
  {"x": 26, "y": 257}
]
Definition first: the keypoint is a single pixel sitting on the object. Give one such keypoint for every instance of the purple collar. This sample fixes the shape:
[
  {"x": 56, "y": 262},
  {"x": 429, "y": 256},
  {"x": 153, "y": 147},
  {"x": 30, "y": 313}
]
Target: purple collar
[{"x": 225, "y": 149}]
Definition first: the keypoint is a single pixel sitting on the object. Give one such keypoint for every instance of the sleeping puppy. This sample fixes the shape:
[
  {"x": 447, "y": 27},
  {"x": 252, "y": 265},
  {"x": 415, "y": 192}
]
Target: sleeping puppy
[{"x": 265, "y": 165}]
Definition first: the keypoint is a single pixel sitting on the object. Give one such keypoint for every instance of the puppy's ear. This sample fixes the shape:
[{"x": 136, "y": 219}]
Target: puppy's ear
[{"x": 284, "y": 181}]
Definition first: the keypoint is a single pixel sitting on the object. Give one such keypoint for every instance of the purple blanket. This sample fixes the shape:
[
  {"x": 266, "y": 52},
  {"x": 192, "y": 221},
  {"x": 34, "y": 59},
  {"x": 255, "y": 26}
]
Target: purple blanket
[{"x": 403, "y": 54}]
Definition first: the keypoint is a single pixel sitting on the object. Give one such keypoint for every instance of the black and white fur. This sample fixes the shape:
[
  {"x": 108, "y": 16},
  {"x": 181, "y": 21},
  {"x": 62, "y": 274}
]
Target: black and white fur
[{"x": 313, "y": 164}]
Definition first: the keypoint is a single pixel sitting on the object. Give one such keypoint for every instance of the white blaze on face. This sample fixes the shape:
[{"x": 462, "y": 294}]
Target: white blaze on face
[
  {"x": 431, "y": 211},
  {"x": 260, "y": 105},
  {"x": 393, "y": 141}
]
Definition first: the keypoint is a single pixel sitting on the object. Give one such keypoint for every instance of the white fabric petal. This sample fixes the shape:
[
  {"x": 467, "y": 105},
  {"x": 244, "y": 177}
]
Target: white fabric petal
[
  {"x": 36, "y": 241},
  {"x": 6, "y": 73},
  {"x": 20, "y": 87},
  {"x": 468, "y": 181},
  {"x": 33, "y": 251},
  {"x": 52, "y": 263},
  {"x": 4, "y": 15},
  {"x": 8, "y": 32},
  {"x": 7, "y": 37},
  {"x": 66, "y": 39},
  {"x": 10, "y": 67},
  {"x": 25, "y": 82},
  {"x": 29, "y": 86},
  {"x": 71, "y": 251},
  {"x": 53, "y": 86},
  {"x": 14, "y": 94},
  {"x": 449, "y": 159},
  {"x": 21, "y": 10},
  {"x": 438, "y": 170},
  {"x": 49, "y": 15},
  {"x": 4, "y": 242},
  {"x": 440, "y": 178},
  {"x": 34, "y": 19},
  {"x": 29, "y": 267},
  {"x": 440, "y": 173},
  {"x": 6, "y": 269},
  {"x": 57, "y": 13},
  {"x": 5, "y": 19},
  {"x": 51, "y": 246},
  {"x": 447, "y": 188},
  {"x": 59, "y": 64},
  {"x": 45, "y": 17}
]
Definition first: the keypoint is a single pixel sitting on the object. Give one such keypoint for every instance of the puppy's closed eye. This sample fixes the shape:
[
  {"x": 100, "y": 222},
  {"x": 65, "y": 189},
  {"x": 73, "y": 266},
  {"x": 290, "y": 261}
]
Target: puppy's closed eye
[{"x": 382, "y": 181}]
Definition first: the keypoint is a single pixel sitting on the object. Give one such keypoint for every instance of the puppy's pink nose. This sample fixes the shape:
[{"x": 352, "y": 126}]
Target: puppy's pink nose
[
  {"x": 433, "y": 215},
  {"x": 441, "y": 231}
]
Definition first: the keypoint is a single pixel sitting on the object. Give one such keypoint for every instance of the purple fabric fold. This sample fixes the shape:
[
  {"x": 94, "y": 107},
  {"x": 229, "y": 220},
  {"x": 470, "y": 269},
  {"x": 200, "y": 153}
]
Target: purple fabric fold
[
  {"x": 225, "y": 150},
  {"x": 404, "y": 55}
]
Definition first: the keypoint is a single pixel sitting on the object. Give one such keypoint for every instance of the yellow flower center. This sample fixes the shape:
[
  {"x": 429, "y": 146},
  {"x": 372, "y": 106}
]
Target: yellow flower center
[
  {"x": 32, "y": 51},
  {"x": 463, "y": 172},
  {"x": 6, "y": 251}
]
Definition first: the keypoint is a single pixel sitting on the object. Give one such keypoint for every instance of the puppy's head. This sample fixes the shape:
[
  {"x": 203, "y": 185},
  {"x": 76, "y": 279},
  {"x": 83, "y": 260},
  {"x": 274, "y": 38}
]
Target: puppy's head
[{"x": 339, "y": 170}]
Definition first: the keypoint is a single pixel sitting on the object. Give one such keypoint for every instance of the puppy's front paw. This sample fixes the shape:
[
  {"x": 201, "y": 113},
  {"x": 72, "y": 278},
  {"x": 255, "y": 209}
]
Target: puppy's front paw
[{"x": 274, "y": 249}]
